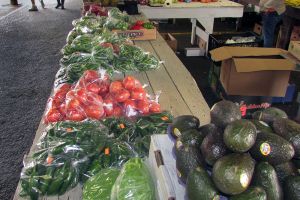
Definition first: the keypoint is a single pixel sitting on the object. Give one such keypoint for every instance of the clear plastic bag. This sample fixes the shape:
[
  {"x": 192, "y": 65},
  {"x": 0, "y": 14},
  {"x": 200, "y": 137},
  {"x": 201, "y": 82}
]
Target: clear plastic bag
[
  {"x": 134, "y": 182},
  {"x": 99, "y": 186}
]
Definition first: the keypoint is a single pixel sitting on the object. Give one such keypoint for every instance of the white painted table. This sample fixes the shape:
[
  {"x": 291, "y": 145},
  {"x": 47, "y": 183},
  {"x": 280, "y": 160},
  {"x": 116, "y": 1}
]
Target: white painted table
[{"x": 204, "y": 13}]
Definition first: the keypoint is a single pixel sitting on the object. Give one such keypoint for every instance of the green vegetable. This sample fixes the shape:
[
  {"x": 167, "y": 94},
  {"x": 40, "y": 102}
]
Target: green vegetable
[
  {"x": 268, "y": 115},
  {"x": 240, "y": 135},
  {"x": 148, "y": 25},
  {"x": 253, "y": 193},
  {"x": 266, "y": 177},
  {"x": 183, "y": 123},
  {"x": 99, "y": 186},
  {"x": 291, "y": 188},
  {"x": 134, "y": 182},
  {"x": 200, "y": 186},
  {"x": 272, "y": 148},
  {"x": 284, "y": 170},
  {"x": 232, "y": 173}
]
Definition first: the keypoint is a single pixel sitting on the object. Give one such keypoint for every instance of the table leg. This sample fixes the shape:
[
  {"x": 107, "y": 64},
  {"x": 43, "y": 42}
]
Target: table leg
[{"x": 193, "y": 34}]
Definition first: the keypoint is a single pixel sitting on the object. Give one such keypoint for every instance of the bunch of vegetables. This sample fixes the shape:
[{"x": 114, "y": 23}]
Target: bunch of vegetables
[
  {"x": 94, "y": 96},
  {"x": 140, "y": 24},
  {"x": 71, "y": 152},
  {"x": 255, "y": 158},
  {"x": 132, "y": 182}
]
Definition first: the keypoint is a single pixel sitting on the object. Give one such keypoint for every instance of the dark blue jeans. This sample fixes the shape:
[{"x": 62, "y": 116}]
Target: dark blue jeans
[{"x": 270, "y": 20}]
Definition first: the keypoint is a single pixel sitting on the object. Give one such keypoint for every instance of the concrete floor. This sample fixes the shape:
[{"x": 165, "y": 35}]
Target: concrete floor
[{"x": 30, "y": 43}]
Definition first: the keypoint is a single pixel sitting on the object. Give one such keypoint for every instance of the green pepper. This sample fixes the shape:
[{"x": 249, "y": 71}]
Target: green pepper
[
  {"x": 70, "y": 181},
  {"x": 148, "y": 25},
  {"x": 45, "y": 182},
  {"x": 57, "y": 181}
]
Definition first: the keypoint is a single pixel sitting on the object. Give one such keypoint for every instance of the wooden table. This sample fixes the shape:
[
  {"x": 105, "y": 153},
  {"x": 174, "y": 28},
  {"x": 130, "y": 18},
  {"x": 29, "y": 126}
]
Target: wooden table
[
  {"x": 204, "y": 13},
  {"x": 179, "y": 94}
]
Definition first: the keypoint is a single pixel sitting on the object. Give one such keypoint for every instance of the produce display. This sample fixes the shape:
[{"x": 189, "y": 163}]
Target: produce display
[
  {"x": 72, "y": 152},
  {"x": 92, "y": 45},
  {"x": 95, "y": 96},
  {"x": 293, "y": 3},
  {"x": 237, "y": 159}
]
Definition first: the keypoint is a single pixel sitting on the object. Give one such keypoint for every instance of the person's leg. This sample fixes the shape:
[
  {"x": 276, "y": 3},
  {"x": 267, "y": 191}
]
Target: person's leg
[
  {"x": 42, "y": 3},
  {"x": 62, "y": 4},
  {"x": 58, "y": 4},
  {"x": 269, "y": 24},
  {"x": 33, "y": 8}
]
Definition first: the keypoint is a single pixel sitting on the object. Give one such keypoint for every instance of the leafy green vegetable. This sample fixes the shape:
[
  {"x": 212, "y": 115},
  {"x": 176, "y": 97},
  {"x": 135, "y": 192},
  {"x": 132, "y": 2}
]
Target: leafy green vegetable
[
  {"x": 134, "y": 182},
  {"x": 100, "y": 185}
]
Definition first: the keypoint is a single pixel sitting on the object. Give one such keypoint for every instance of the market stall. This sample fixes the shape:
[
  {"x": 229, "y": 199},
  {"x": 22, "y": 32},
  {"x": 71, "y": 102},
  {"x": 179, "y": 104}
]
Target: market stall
[
  {"x": 178, "y": 90},
  {"x": 204, "y": 13}
]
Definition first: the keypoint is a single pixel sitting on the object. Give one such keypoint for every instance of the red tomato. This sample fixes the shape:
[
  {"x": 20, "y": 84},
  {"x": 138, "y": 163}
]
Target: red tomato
[
  {"x": 121, "y": 95},
  {"x": 143, "y": 106},
  {"x": 129, "y": 82},
  {"x": 75, "y": 115},
  {"x": 53, "y": 115},
  {"x": 138, "y": 94},
  {"x": 93, "y": 87},
  {"x": 63, "y": 109},
  {"x": 129, "y": 104},
  {"x": 94, "y": 111},
  {"x": 115, "y": 86},
  {"x": 154, "y": 107},
  {"x": 81, "y": 94},
  {"x": 117, "y": 112},
  {"x": 108, "y": 106},
  {"x": 59, "y": 97},
  {"x": 94, "y": 99},
  {"x": 104, "y": 88},
  {"x": 70, "y": 95},
  {"x": 90, "y": 75},
  {"x": 73, "y": 104},
  {"x": 65, "y": 87}
]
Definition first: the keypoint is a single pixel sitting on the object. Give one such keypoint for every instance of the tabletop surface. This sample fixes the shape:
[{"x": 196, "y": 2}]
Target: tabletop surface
[{"x": 179, "y": 95}]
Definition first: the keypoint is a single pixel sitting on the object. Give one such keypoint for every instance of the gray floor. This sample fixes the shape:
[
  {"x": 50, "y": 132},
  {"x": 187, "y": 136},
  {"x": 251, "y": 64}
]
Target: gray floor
[{"x": 29, "y": 55}]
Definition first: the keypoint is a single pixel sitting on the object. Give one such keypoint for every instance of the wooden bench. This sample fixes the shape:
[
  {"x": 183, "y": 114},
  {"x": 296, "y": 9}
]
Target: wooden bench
[{"x": 179, "y": 94}]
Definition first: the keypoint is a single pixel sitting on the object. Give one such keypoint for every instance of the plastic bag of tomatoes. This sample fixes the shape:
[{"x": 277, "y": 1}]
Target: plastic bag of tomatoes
[{"x": 95, "y": 96}]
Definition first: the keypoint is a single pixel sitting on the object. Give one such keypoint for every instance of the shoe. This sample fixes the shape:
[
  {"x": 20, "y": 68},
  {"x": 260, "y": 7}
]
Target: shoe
[
  {"x": 62, "y": 7},
  {"x": 34, "y": 8},
  {"x": 42, "y": 3},
  {"x": 58, "y": 5}
]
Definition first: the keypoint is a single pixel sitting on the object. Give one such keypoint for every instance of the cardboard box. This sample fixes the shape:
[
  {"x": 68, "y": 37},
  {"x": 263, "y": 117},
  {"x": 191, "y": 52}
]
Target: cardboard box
[
  {"x": 171, "y": 40},
  {"x": 257, "y": 29},
  {"x": 294, "y": 48},
  {"x": 253, "y": 71},
  {"x": 295, "y": 35},
  {"x": 162, "y": 163},
  {"x": 143, "y": 34}
]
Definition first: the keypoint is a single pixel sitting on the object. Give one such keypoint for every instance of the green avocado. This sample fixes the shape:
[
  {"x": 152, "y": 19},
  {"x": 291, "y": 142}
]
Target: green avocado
[
  {"x": 183, "y": 123},
  {"x": 265, "y": 176},
  {"x": 252, "y": 193},
  {"x": 261, "y": 126},
  {"x": 272, "y": 148},
  {"x": 284, "y": 170},
  {"x": 290, "y": 131},
  {"x": 187, "y": 159},
  {"x": 191, "y": 137},
  {"x": 213, "y": 147},
  {"x": 232, "y": 173},
  {"x": 296, "y": 162},
  {"x": 268, "y": 115},
  {"x": 240, "y": 135},
  {"x": 291, "y": 188},
  {"x": 224, "y": 112},
  {"x": 209, "y": 128},
  {"x": 200, "y": 186}
]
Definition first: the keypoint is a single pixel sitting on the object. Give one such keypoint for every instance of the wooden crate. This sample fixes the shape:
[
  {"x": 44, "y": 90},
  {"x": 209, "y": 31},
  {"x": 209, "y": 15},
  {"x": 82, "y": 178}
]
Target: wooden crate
[{"x": 143, "y": 34}]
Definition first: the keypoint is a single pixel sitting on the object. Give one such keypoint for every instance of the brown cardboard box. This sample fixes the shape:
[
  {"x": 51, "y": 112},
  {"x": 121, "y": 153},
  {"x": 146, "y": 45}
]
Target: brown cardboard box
[
  {"x": 294, "y": 48},
  {"x": 171, "y": 41},
  {"x": 295, "y": 35},
  {"x": 257, "y": 29},
  {"x": 253, "y": 71}
]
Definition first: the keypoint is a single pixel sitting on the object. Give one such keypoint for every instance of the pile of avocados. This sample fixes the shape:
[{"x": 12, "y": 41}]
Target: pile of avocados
[{"x": 241, "y": 159}]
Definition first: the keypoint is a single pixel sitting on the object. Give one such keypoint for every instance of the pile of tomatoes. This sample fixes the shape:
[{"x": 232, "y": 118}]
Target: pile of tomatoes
[
  {"x": 94, "y": 8},
  {"x": 95, "y": 96}
]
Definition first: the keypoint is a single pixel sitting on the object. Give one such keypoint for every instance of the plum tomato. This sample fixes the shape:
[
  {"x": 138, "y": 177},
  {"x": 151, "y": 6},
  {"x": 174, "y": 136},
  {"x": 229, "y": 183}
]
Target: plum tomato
[
  {"x": 94, "y": 111},
  {"x": 93, "y": 87},
  {"x": 108, "y": 105},
  {"x": 75, "y": 115},
  {"x": 65, "y": 87},
  {"x": 115, "y": 86},
  {"x": 138, "y": 94},
  {"x": 73, "y": 104},
  {"x": 90, "y": 75},
  {"x": 93, "y": 99},
  {"x": 121, "y": 95},
  {"x": 53, "y": 115},
  {"x": 154, "y": 107},
  {"x": 117, "y": 112},
  {"x": 143, "y": 106},
  {"x": 82, "y": 95},
  {"x": 63, "y": 109}
]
